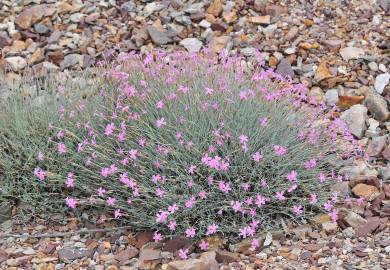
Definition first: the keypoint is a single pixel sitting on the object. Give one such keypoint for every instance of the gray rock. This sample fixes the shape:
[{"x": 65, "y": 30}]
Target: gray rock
[
  {"x": 354, "y": 220},
  {"x": 355, "y": 118},
  {"x": 349, "y": 53},
  {"x": 158, "y": 37},
  {"x": 384, "y": 172},
  {"x": 377, "y": 106},
  {"x": 54, "y": 37},
  {"x": 128, "y": 6},
  {"x": 152, "y": 7},
  {"x": 71, "y": 60},
  {"x": 373, "y": 66},
  {"x": 284, "y": 68},
  {"x": 5, "y": 40},
  {"x": 349, "y": 232},
  {"x": 381, "y": 81},
  {"x": 376, "y": 145},
  {"x": 41, "y": 28},
  {"x": 183, "y": 19},
  {"x": 331, "y": 97},
  {"x": 191, "y": 44},
  {"x": 5, "y": 211},
  {"x": 195, "y": 8},
  {"x": 76, "y": 18},
  {"x": 204, "y": 24}
]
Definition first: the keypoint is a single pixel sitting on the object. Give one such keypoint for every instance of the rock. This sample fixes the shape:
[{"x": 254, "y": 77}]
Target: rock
[
  {"x": 209, "y": 258},
  {"x": 190, "y": 264},
  {"x": 37, "y": 56},
  {"x": 377, "y": 106},
  {"x": 224, "y": 256},
  {"x": 129, "y": 6},
  {"x": 215, "y": 8},
  {"x": 355, "y": 118},
  {"x": 329, "y": 227},
  {"x": 373, "y": 66},
  {"x": 292, "y": 33},
  {"x": 229, "y": 17},
  {"x": 33, "y": 15},
  {"x": 41, "y": 28},
  {"x": 349, "y": 53},
  {"x": 3, "y": 255},
  {"x": 5, "y": 211},
  {"x": 262, "y": 20},
  {"x": 69, "y": 255},
  {"x": 376, "y": 146},
  {"x": 342, "y": 188},
  {"x": 349, "y": 232},
  {"x": 191, "y": 44},
  {"x": 331, "y": 97},
  {"x": 204, "y": 24},
  {"x": 149, "y": 252},
  {"x": 284, "y": 68},
  {"x": 219, "y": 43},
  {"x": 322, "y": 72},
  {"x": 56, "y": 57},
  {"x": 381, "y": 81},
  {"x": 368, "y": 192},
  {"x": 195, "y": 8},
  {"x": 127, "y": 254},
  {"x": 5, "y": 40},
  {"x": 158, "y": 37},
  {"x": 345, "y": 102},
  {"x": 54, "y": 37},
  {"x": 176, "y": 243},
  {"x": 333, "y": 45},
  {"x": 71, "y": 60},
  {"x": 275, "y": 10},
  {"x": 17, "y": 63},
  {"x": 317, "y": 94},
  {"x": 354, "y": 220},
  {"x": 152, "y": 7}
]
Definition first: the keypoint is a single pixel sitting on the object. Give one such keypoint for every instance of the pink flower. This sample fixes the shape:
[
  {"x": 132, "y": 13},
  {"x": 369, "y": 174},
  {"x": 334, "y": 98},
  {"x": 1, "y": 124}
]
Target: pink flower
[
  {"x": 133, "y": 154},
  {"x": 211, "y": 229},
  {"x": 71, "y": 202},
  {"x": 257, "y": 157},
  {"x": 111, "y": 201},
  {"x": 190, "y": 232},
  {"x": 209, "y": 91},
  {"x": 162, "y": 216},
  {"x": 334, "y": 215},
  {"x": 348, "y": 201},
  {"x": 263, "y": 121},
  {"x": 183, "y": 254},
  {"x": 328, "y": 206},
  {"x": 203, "y": 245},
  {"x": 236, "y": 206},
  {"x": 224, "y": 187},
  {"x": 191, "y": 202},
  {"x": 321, "y": 178},
  {"x": 246, "y": 186},
  {"x": 40, "y": 174},
  {"x": 360, "y": 201},
  {"x": 160, "y": 122},
  {"x": 70, "y": 180},
  {"x": 255, "y": 243},
  {"x": 292, "y": 176},
  {"x": 160, "y": 193},
  {"x": 109, "y": 129},
  {"x": 313, "y": 198},
  {"x": 280, "y": 150},
  {"x": 202, "y": 194},
  {"x": 160, "y": 104},
  {"x": 310, "y": 164},
  {"x": 61, "y": 148},
  {"x": 40, "y": 156},
  {"x": 172, "y": 225},
  {"x": 101, "y": 191},
  {"x": 157, "y": 237},
  {"x": 279, "y": 195},
  {"x": 297, "y": 209},
  {"x": 243, "y": 139},
  {"x": 173, "y": 208},
  {"x": 117, "y": 213}
]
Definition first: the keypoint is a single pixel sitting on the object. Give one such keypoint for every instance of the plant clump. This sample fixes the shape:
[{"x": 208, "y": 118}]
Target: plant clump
[{"x": 196, "y": 145}]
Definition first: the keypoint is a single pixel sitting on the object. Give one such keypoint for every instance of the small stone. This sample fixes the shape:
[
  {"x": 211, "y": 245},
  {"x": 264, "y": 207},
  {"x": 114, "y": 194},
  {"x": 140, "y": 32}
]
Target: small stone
[
  {"x": 129, "y": 6},
  {"x": 322, "y": 72},
  {"x": 158, "y": 37},
  {"x": 126, "y": 254},
  {"x": 275, "y": 10},
  {"x": 354, "y": 220},
  {"x": 37, "y": 56},
  {"x": 215, "y": 8},
  {"x": 29, "y": 251},
  {"x": 33, "y": 15},
  {"x": 262, "y": 20},
  {"x": 284, "y": 68},
  {"x": 204, "y": 24},
  {"x": 41, "y": 28},
  {"x": 54, "y": 37},
  {"x": 317, "y": 94},
  {"x": 368, "y": 192},
  {"x": 373, "y": 66},
  {"x": 331, "y": 97},
  {"x": 191, "y": 44},
  {"x": 292, "y": 33},
  {"x": 349, "y": 53},
  {"x": 219, "y": 43},
  {"x": 224, "y": 256},
  {"x": 17, "y": 63},
  {"x": 329, "y": 227},
  {"x": 71, "y": 60},
  {"x": 229, "y": 17},
  {"x": 381, "y": 81},
  {"x": 349, "y": 232},
  {"x": 190, "y": 264},
  {"x": 377, "y": 106},
  {"x": 376, "y": 146},
  {"x": 355, "y": 118},
  {"x": 290, "y": 50},
  {"x": 333, "y": 45}
]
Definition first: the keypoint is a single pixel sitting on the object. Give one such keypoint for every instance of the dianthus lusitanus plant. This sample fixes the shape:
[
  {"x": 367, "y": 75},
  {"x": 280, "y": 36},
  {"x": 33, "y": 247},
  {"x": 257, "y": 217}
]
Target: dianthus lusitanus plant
[{"x": 197, "y": 144}]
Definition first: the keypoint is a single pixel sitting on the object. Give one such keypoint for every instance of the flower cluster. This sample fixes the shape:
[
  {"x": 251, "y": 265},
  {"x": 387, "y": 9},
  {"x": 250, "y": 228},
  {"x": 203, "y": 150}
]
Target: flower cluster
[{"x": 198, "y": 145}]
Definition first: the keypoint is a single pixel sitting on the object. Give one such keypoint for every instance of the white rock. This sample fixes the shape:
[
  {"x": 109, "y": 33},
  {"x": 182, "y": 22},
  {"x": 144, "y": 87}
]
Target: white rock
[
  {"x": 191, "y": 44},
  {"x": 382, "y": 68},
  {"x": 204, "y": 24},
  {"x": 373, "y": 66},
  {"x": 290, "y": 50},
  {"x": 355, "y": 118},
  {"x": 349, "y": 53},
  {"x": 381, "y": 81},
  {"x": 16, "y": 62}
]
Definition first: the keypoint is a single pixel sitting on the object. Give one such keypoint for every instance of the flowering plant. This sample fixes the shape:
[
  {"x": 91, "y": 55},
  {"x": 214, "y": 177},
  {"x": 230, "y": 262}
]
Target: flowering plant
[{"x": 197, "y": 145}]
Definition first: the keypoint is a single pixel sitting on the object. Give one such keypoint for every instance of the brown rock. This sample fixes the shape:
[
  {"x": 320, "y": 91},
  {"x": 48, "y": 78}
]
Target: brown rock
[
  {"x": 218, "y": 43},
  {"x": 369, "y": 193},
  {"x": 126, "y": 254},
  {"x": 322, "y": 72},
  {"x": 3, "y": 256},
  {"x": 377, "y": 106},
  {"x": 259, "y": 5},
  {"x": 275, "y": 10},
  {"x": 5, "y": 40},
  {"x": 64, "y": 7},
  {"x": 229, "y": 17},
  {"x": 215, "y": 8},
  {"x": 56, "y": 57},
  {"x": 292, "y": 33},
  {"x": 262, "y": 20},
  {"x": 143, "y": 238},
  {"x": 16, "y": 47},
  {"x": 354, "y": 220},
  {"x": 308, "y": 22},
  {"x": 320, "y": 219},
  {"x": 33, "y": 15},
  {"x": 273, "y": 61},
  {"x": 191, "y": 264},
  {"x": 177, "y": 243},
  {"x": 37, "y": 56},
  {"x": 149, "y": 252},
  {"x": 347, "y": 101},
  {"x": 224, "y": 256}
]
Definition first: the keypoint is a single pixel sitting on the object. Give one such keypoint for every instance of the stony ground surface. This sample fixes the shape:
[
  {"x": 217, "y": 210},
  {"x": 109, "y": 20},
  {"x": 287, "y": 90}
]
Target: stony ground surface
[{"x": 340, "y": 49}]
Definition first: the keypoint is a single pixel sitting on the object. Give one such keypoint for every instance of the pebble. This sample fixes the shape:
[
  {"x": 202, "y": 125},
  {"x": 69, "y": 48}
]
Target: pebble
[
  {"x": 381, "y": 81},
  {"x": 191, "y": 44},
  {"x": 349, "y": 53},
  {"x": 355, "y": 118}
]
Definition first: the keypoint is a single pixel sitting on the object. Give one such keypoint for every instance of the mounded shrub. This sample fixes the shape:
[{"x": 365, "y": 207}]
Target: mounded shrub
[{"x": 196, "y": 145}]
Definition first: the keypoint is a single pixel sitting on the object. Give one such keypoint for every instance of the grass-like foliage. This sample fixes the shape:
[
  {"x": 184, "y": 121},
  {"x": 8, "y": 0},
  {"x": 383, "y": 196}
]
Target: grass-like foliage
[{"x": 195, "y": 145}]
